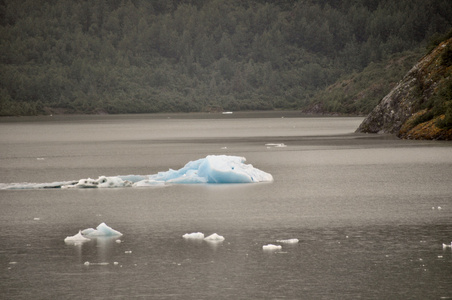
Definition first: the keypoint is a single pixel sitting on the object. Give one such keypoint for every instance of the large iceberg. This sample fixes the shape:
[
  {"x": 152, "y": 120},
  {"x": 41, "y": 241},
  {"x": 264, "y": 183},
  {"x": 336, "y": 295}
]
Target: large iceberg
[{"x": 211, "y": 169}]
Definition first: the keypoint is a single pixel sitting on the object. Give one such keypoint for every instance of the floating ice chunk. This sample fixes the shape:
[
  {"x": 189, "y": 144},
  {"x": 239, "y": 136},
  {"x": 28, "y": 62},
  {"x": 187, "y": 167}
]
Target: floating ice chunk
[
  {"x": 101, "y": 230},
  {"x": 78, "y": 238},
  {"x": 271, "y": 247},
  {"x": 281, "y": 145},
  {"x": 447, "y": 245},
  {"x": 194, "y": 235},
  {"x": 211, "y": 169},
  {"x": 214, "y": 238},
  {"x": 288, "y": 241},
  {"x": 36, "y": 219}
]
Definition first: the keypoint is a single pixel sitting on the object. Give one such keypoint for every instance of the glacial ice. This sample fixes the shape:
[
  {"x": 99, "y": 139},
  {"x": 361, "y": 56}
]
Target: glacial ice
[
  {"x": 101, "y": 230},
  {"x": 78, "y": 238},
  {"x": 271, "y": 247},
  {"x": 288, "y": 241},
  {"x": 214, "y": 238},
  {"x": 216, "y": 169},
  {"x": 194, "y": 236}
]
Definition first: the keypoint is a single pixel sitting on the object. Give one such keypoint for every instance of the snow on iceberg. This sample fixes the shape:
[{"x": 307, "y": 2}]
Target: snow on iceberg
[
  {"x": 101, "y": 230},
  {"x": 211, "y": 169}
]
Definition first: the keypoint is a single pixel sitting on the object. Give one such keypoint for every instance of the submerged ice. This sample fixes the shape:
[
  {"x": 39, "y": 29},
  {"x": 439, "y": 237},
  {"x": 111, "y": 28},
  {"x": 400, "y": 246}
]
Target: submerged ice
[{"x": 211, "y": 169}]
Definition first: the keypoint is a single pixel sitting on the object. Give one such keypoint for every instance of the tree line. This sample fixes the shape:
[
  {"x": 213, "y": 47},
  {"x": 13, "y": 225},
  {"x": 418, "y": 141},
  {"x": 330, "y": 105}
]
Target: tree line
[{"x": 137, "y": 56}]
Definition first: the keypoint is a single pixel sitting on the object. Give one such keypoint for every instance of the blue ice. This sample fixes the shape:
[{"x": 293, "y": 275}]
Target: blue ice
[{"x": 216, "y": 169}]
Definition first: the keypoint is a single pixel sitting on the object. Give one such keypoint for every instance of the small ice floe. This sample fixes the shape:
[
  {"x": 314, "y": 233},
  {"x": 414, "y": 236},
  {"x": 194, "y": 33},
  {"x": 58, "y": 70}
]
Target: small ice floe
[
  {"x": 118, "y": 241},
  {"x": 194, "y": 236},
  {"x": 272, "y": 247},
  {"x": 40, "y": 158},
  {"x": 87, "y": 263},
  {"x": 36, "y": 219},
  {"x": 447, "y": 245},
  {"x": 76, "y": 239},
  {"x": 214, "y": 238},
  {"x": 281, "y": 145},
  {"x": 101, "y": 230},
  {"x": 128, "y": 252},
  {"x": 288, "y": 241},
  {"x": 227, "y": 113}
]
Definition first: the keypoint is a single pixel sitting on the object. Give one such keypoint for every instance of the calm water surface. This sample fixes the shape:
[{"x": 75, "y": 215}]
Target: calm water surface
[{"x": 364, "y": 208}]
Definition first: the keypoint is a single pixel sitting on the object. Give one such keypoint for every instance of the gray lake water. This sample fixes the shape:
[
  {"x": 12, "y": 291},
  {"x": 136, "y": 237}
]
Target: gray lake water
[{"x": 371, "y": 212}]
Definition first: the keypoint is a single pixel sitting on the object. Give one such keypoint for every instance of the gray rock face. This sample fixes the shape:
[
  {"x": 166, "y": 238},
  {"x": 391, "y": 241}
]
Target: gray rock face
[
  {"x": 395, "y": 108},
  {"x": 407, "y": 97}
]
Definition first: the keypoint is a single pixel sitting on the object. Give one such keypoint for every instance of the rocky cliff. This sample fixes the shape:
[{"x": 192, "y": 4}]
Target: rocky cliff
[{"x": 420, "y": 105}]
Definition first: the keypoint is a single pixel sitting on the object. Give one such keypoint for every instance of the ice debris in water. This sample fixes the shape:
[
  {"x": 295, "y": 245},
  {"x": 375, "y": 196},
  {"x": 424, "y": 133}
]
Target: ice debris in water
[
  {"x": 78, "y": 238},
  {"x": 282, "y": 145},
  {"x": 101, "y": 230},
  {"x": 271, "y": 247},
  {"x": 447, "y": 245},
  {"x": 214, "y": 238},
  {"x": 211, "y": 169},
  {"x": 194, "y": 235},
  {"x": 288, "y": 241}
]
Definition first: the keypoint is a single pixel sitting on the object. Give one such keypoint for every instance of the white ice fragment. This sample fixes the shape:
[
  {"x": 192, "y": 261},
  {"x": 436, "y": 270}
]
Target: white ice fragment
[
  {"x": 280, "y": 145},
  {"x": 439, "y": 207},
  {"x": 214, "y": 237},
  {"x": 36, "y": 219},
  {"x": 128, "y": 251},
  {"x": 118, "y": 241},
  {"x": 227, "y": 113},
  {"x": 194, "y": 235},
  {"x": 271, "y": 247},
  {"x": 78, "y": 238},
  {"x": 40, "y": 158},
  {"x": 86, "y": 263},
  {"x": 447, "y": 245},
  {"x": 115, "y": 263},
  {"x": 101, "y": 230},
  {"x": 288, "y": 241}
]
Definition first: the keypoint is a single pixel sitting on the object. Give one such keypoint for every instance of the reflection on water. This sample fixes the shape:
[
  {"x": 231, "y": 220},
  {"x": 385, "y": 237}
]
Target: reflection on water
[{"x": 364, "y": 209}]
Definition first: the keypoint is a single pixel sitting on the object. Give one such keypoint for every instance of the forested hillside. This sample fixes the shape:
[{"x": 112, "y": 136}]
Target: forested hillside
[{"x": 137, "y": 56}]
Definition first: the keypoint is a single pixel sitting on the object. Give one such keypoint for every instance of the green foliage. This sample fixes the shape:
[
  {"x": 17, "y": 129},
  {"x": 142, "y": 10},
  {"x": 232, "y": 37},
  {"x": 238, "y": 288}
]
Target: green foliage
[
  {"x": 136, "y": 56},
  {"x": 439, "y": 104}
]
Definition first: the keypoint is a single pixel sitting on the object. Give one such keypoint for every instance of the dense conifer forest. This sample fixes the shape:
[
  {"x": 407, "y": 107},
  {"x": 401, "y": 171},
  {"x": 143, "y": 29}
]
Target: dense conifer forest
[{"x": 137, "y": 56}]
